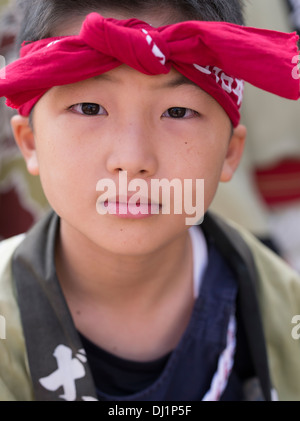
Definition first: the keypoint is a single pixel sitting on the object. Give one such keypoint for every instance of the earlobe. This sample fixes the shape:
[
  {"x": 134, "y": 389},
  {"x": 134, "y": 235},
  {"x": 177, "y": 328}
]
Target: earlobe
[
  {"x": 24, "y": 137},
  {"x": 234, "y": 153}
]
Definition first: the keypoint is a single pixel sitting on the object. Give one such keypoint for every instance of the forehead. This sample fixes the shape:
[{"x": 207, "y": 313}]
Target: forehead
[{"x": 155, "y": 18}]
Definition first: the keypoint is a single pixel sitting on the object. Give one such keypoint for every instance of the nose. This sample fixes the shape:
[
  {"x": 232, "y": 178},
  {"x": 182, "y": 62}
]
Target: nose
[{"x": 133, "y": 150}]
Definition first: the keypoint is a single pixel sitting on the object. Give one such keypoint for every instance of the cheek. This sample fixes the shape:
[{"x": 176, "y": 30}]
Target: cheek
[
  {"x": 65, "y": 177},
  {"x": 204, "y": 162}
]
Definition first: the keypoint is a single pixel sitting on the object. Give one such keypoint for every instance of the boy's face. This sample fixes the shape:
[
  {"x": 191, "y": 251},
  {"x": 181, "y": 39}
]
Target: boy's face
[{"x": 152, "y": 127}]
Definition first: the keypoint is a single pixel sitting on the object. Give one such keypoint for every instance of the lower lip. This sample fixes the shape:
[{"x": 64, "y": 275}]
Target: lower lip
[{"x": 128, "y": 211}]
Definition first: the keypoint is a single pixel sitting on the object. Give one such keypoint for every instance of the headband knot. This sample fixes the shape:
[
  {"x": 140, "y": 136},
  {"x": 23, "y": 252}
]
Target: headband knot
[{"x": 133, "y": 43}]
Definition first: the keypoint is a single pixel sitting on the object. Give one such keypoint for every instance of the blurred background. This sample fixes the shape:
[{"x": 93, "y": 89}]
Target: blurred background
[
  {"x": 264, "y": 195},
  {"x": 22, "y": 201}
]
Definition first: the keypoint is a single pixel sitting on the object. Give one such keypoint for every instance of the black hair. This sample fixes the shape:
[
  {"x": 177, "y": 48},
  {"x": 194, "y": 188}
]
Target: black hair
[{"x": 41, "y": 18}]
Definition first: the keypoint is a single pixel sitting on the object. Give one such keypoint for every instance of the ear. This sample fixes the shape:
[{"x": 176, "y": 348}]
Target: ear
[
  {"x": 234, "y": 153},
  {"x": 24, "y": 137}
]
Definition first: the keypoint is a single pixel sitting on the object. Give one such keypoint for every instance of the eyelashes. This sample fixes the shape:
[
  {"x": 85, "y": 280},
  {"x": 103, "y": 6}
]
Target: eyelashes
[
  {"x": 88, "y": 109},
  {"x": 93, "y": 109},
  {"x": 180, "y": 112}
]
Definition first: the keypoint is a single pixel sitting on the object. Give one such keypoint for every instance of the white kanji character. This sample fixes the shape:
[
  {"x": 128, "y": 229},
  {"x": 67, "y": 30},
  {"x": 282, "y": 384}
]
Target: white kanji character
[
  {"x": 239, "y": 90},
  {"x": 52, "y": 43},
  {"x": 155, "y": 50},
  {"x": 227, "y": 82},
  {"x": 69, "y": 369},
  {"x": 217, "y": 71},
  {"x": 204, "y": 70}
]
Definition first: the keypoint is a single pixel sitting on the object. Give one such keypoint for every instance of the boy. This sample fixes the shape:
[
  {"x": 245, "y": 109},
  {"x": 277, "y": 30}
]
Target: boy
[{"x": 113, "y": 296}]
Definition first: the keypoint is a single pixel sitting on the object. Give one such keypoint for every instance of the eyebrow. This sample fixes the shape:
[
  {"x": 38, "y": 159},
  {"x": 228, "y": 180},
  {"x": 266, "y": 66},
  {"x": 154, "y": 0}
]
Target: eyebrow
[{"x": 177, "y": 81}]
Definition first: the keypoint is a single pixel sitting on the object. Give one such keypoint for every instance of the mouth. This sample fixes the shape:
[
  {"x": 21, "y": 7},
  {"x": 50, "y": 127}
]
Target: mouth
[{"x": 129, "y": 208}]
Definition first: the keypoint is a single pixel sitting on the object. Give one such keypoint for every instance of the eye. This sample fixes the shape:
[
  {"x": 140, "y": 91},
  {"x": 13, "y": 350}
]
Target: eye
[
  {"x": 88, "y": 108},
  {"x": 179, "y": 112}
]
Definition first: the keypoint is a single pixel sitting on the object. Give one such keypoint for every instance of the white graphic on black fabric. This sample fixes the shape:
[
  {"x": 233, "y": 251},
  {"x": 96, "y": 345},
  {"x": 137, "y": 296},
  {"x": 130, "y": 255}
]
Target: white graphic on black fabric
[{"x": 69, "y": 370}]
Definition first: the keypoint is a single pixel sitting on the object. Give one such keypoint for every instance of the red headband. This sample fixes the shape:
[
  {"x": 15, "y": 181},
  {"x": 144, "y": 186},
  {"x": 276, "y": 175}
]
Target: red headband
[{"x": 216, "y": 56}]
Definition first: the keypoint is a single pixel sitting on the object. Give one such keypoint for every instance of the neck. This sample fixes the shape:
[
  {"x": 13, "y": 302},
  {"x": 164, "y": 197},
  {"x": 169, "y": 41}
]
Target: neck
[
  {"x": 94, "y": 274},
  {"x": 151, "y": 295}
]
